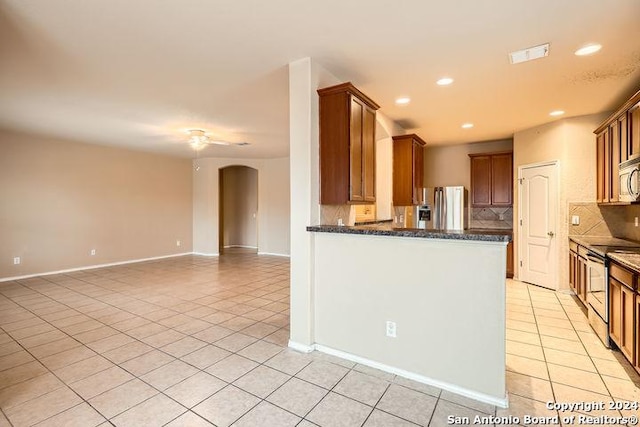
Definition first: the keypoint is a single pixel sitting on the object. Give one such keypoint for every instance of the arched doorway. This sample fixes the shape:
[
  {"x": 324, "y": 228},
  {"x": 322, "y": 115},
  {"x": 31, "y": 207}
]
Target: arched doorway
[{"x": 238, "y": 210}]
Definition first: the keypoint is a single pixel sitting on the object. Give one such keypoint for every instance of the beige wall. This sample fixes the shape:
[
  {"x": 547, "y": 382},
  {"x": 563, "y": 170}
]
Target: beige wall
[
  {"x": 273, "y": 204},
  {"x": 60, "y": 199},
  {"x": 443, "y": 317},
  {"x": 450, "y": 165},
  {"x": 239, "y": 206},
  {"x": 572, "y": 143}
]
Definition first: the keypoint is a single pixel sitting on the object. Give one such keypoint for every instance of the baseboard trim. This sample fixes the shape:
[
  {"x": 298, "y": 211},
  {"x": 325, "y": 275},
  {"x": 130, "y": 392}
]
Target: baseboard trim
[
  {"x": 481, "y": 397},
  {"x": 303, "y": 348},
  {"x": 206, "y": 254},
  {"x": 91, "y": 267},
  {"x": 240, "y": 246},
  {"x": 274, "y": 254}
]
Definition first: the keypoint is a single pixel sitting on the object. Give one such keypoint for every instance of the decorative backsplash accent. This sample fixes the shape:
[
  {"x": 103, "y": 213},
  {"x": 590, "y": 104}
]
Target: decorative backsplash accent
[
  {"x": 608, "y": 221},
  {"x": 329, "y": 214},
  {"x": 592, "y": 222},
  {"x": 499, "y": 218}
]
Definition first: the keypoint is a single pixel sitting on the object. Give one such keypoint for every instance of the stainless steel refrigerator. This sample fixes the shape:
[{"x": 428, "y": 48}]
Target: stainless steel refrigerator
[{"x": 445, "y": 208}]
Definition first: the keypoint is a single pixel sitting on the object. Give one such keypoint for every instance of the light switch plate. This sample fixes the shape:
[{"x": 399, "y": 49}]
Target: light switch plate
[{"x": 575, "y": 220}]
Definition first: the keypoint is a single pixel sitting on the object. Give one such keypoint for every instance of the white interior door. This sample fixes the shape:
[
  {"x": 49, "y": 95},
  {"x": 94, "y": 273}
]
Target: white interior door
[{"x": 538, "y": 249}]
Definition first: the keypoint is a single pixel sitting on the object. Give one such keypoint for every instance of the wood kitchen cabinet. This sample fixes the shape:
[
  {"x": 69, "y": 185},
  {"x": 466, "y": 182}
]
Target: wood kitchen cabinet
[
  {"x": 573, "y": 267},
  {"x": 510, "y": 263},
  {"x": 622, "y": 310},
  {"x": 347, "y": 146},
  {"x": 636, "y": 364},
  {"x": 617, "y": 140},
  {"x": 492, "y": 179},
  {"x": 408, "y": 170}
]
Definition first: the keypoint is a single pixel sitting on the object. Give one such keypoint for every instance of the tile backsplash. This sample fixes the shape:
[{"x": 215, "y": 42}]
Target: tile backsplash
[
  {"x": 330, "y": 214},
  {"x": 616, "y": 221},
  {"x": 493, "y": 217}
]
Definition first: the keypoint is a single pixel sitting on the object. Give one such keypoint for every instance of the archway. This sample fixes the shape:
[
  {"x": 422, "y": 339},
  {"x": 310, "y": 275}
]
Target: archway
[{"x": 238, "y": 206}]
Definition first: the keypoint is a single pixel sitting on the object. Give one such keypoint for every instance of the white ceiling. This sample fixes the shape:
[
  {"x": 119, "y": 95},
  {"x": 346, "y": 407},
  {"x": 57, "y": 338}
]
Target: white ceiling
[{"x": 138, "y": 73}]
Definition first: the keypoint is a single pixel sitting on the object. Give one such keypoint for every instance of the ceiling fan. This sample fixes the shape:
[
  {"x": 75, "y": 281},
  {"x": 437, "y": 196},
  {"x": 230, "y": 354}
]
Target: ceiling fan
[{"x": 199, "y": 139}]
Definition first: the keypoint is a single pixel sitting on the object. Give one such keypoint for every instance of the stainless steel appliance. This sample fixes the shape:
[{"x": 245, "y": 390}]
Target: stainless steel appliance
[
  {"x": 629, "y": 175},
  {"x": 445, "y": 208}
]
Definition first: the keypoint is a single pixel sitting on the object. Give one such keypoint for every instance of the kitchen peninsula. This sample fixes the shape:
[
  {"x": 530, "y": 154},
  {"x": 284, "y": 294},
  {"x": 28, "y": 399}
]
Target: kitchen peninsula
[{"x": 444, "y": 291}]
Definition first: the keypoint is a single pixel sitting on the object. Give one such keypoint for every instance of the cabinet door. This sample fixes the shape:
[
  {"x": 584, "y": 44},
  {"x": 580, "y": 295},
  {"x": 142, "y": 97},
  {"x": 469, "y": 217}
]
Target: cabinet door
[
  {"x": 418, "y": 173},
  {"x": 614, "y": 143},
  {"x": 582, "y": 284},
  {"x": 606, "y": 181},
  {"x": 501, "y": 179},
  {"x": 615, "y": 315},
  {"x": 637, "y": 304},
  {"x": 355, "y": 151},
  {"x": 623, "y": 135},
  {"x": 627, "y": 311},
  {"x": 510, "y": 267},
  {"x": 481, "y": 180},
  {"x": 572, "y": 270},
  {"x": 369, "y": 154},
  {"x": 634, "y": 130},
  {"x": 600, "y": 174}
]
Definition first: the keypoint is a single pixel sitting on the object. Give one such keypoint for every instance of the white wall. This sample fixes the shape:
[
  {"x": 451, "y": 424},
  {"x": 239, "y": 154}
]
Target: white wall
[
  {"x": 239, "y": 207},
  {"x": 305, "y": 77},
  {"x": 273, "y": 211},
  {"x": 572, "y": 142}
]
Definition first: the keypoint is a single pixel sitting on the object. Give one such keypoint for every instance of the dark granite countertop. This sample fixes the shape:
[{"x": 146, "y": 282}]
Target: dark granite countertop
[
  {"x": 389, "y": 230},
  {"x": 628, "y": 259},
  {"x": 602, "y": 241}
]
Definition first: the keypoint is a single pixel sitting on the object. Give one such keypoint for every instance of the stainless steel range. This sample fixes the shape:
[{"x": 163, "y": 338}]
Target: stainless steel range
[{"x": 598, "y": 279}]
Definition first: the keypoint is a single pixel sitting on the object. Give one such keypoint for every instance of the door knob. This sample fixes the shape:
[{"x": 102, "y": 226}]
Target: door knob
[{"x": 550, "y": 234}]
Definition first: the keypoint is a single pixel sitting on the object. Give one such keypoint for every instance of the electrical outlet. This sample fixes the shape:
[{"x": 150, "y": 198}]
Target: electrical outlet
[
  {"x": 391, "y": 329},
  {"x": 401, "y": 218},
  {"x": 16, "y": 260},
  {"x": 575, "y": 220},
  {"x": 340, "y": 223},
  {"x": 178, "y": 242},
  {"x": 501, "y": 217},
  {"x": 395, "y": 219},
  {"x": 93, "y": 252},
  {"x": 636, "y": 221}
]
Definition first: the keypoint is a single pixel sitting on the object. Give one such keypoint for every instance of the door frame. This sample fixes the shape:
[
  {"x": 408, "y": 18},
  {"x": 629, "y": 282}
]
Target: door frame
[{"x": 521, "y": 168}]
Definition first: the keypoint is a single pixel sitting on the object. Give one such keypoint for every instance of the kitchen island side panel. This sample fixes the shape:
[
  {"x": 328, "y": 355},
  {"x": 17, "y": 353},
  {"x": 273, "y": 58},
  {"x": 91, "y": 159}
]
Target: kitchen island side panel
[{"x": 446, "y": 297}]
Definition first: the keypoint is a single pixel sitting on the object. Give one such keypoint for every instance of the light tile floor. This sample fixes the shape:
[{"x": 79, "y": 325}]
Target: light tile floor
[{"x": 195, "y": 341}]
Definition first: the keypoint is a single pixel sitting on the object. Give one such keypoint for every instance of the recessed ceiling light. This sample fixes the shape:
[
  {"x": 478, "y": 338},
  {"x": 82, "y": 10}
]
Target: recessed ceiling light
[
  {"x": 529, "y": 54},
  {"x": 403, "y": 101},
  {"x": 556, "y": 113},
  {"x": 589, "y": 49},
  {"x": 445, "y": 81},
  {"x": 467, "y": 126}
]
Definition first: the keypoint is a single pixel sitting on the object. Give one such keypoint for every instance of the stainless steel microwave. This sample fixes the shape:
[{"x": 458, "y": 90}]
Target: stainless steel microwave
[{"x": 630, "y": 180}]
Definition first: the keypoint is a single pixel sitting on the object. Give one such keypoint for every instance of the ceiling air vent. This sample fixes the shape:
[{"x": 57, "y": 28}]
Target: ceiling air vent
[{"x": 529, "y": 54}]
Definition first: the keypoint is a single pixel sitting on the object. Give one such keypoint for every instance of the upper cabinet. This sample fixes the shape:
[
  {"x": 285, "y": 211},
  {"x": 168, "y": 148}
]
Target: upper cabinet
[
  {"x": 617, "y": 140},
  {"x": 408, "y": 170},
  {"x": 347, "y": 146},
  {"x": 492, "y": 179}
]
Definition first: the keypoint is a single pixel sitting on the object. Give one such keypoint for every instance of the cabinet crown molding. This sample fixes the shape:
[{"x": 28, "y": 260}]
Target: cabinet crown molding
[
  {"x": 349, "y": 88},
  {"x": 409, "y": 136}
]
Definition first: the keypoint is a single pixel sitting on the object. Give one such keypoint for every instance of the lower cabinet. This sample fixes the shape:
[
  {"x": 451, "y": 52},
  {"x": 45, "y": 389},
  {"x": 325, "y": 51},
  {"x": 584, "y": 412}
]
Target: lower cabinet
[
  {"x": 582, "y": 279},
  {"x": 624, "y": 311},
  {"x": 510, "y": 268},
  {"x": 636, "y": 364}
]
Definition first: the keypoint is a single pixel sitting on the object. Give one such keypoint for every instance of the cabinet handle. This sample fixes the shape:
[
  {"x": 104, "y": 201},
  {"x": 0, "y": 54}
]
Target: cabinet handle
[{"x": 550, "y": 234}]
